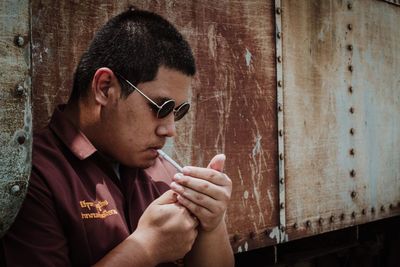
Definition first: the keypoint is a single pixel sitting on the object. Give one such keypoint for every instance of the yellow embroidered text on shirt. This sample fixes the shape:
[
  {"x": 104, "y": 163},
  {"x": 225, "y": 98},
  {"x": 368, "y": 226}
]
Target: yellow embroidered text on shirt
[{"x": 97, "y": 209}]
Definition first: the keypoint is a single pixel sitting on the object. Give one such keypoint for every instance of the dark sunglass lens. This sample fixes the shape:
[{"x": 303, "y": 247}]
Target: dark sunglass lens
[
  {"x": 181, "y": 111},
  {"x": 166, "y": 108}
]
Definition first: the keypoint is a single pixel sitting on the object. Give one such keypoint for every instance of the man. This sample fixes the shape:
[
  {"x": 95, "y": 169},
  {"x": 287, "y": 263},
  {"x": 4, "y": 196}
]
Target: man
[{"x": 99, "y": 193}]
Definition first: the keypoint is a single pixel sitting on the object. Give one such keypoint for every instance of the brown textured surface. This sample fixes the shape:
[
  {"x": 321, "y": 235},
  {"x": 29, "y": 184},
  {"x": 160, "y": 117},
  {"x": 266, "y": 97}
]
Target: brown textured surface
[{"x": 233, "y": 94}]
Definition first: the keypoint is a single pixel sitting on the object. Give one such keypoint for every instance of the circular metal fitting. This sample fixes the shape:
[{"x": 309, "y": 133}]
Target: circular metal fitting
[
  {"x": 295, "y": 226},
  {"x": 279, "y": 59},
  {"x": 279, "y": 35},
  {"x": 349, "y": 6},
  {"x": 352, "y": 131},
  {"x": 350, "y": 27},
  {"x": 351, "y": 68},
  {"x": 332, "y": 219},
  {"x": 353, "y": 194},
  {"x": 352, "y": 152},
  {"x": 280, "y": 107},
  {"x": 351, "y": 110},
  {"x": 281, "y": 156},
  {"x": 279, "y": 83},
  {"x": 308, "y": 224},
  {"x": 282, "y": 181},
  {"x": 321, "y": 221},
  {"x": 342, "y": 216},
  {"x": 350, "y": 47},
  {"x": 353, "y": 173},
  {"x": 363, "y": 212},
  {"x": 351, "y": 89},
  {"x": 21, "y": 139},
  {"x": 282, "y": 206},
  {"x": 19, "y": 90},
  {"x": 15, "y": 189},
  {"x": 19, "y": 40},
  {"x": 281, "y": 132},
  {"x": 278, "y": 10},
  {"x": 353, "y": 214}
]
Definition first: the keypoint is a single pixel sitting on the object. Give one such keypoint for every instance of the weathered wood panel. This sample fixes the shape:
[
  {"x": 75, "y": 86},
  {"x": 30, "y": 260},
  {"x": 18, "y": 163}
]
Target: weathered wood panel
[
  {"x": 15, "y": 108},
  {"x": 342, "y": 105},
  {"x": 233, "y": 94}
]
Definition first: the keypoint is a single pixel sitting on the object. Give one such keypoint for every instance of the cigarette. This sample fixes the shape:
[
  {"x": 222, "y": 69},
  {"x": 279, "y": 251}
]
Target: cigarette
[{"x": 170, "y": 160}]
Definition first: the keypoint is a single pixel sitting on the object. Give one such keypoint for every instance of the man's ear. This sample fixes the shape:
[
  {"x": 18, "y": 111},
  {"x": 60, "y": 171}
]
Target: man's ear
[{"x": 101, "y": 84}]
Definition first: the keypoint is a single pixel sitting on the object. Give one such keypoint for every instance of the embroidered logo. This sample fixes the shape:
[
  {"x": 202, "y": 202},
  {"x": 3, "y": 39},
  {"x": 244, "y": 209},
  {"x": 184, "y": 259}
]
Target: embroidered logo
[{"x": 96, "y": 209}]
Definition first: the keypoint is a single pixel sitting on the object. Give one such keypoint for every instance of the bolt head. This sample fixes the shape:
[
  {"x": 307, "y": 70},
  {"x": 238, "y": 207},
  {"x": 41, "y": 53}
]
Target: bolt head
[
  {"x": 353, "y": 194},
  {"x": 350, "y": 27},
  {"x": 278, "y": 11},
  {"x": 279, "y": 35},
  {"x": 295, "y": 226},
  {"x": 308, "y": 224},
  {"x": 352, "y": 173},
  {"x": 279, "y": 83},
  {"x": 353, "y": 214},
  {"x": 15, "y": 189},
  {"x": 349, "y": 6},
  {"x": 19, "y": 40},
  {"x": 351, "y": 89},
  {"x": 282, "y": 205}
]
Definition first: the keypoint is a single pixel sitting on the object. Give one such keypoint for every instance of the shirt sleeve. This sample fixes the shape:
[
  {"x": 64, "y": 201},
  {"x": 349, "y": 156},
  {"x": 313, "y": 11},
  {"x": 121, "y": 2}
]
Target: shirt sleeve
[{"x": 36, "y": 237}]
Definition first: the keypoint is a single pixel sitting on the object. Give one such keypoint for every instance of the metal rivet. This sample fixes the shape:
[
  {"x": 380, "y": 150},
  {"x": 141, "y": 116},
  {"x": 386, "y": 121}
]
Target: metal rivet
[
  {"x": 352, "y": 152},
  {"x": 281, "y": 156},
  {"x": 279, "y": 59},
  {"x": 342, "y": 216},
  {"x": 350, "y": 47},
  {"x": 349, "y": 6},
  {"x": 280, "y": 107},
  {"x": 280, "y": 132},
  {"x": 353, "y": 214},
  {"x": 351, "y": 89},
  {"x": 353, "y": 194},
  {"x": 351, "y": 68},
  {"x": 352, "y": 131},
  {"x": 351, "y": 110},
  {"x": 283, "y": 228},
  {"x": 373, "y": 210},
  {"x": 279, "y": 35},
  {"x": 282, "y": 206},
  {"x": 19, "y": 89},
  {"x": 350, "y": 27},
  {"x": 282, "y": 181},
  {"x": 295, "y": 226},
  {"x": 363, "y": 212},
  {"x": 382, "y": 208},
  {"x": 279, "y": 83},
  {"x": 15, "y": 189},
  {"x": 21, "y": 139},
  {"x": 352, "y": 173},
  {"x": 308, "y": 224},
  {"x": 278, "y": 11},
  {"x": 321, "y": 221},
  {"x": 19, "y": 41},
  {"x": 332, "y": 218}
]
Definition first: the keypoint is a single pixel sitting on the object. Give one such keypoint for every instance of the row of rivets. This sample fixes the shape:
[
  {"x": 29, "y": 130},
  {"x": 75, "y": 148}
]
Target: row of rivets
[{"x": 353, "y": 215}]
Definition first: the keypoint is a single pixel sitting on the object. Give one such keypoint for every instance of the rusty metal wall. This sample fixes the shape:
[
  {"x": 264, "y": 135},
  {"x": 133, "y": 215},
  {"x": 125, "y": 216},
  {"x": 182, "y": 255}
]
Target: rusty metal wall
[
  {"x": 233, "y": 94},
  {"x": 341, "y": 65},
  {"x": 15, "y": 108}
]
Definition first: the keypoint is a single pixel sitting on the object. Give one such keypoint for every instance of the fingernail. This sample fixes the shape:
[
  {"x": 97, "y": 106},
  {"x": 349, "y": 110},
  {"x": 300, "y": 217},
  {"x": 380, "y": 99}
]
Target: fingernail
[{"x": 178, "y": 176}]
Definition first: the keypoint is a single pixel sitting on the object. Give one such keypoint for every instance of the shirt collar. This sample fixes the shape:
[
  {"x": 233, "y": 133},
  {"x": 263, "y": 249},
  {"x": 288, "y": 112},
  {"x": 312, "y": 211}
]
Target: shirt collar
[{"x": 72, "y": 137}]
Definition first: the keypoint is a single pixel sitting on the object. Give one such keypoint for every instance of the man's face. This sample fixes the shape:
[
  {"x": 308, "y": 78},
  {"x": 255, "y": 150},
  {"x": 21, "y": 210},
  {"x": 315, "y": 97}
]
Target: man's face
[{"x": 132, "y": 132}]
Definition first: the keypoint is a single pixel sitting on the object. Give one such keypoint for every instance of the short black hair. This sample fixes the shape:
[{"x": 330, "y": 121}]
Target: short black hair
[{"x": 134, "y": 44}]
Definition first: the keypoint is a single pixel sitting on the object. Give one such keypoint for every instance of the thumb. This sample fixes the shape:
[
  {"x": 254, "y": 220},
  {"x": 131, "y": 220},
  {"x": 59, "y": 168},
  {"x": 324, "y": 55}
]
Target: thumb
[
  {"x": 168, "y": 197},
  {"x": 217, "y": 162}
]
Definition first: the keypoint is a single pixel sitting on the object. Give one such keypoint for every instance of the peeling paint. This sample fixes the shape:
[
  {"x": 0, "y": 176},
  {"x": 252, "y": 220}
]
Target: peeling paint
[{"x": 248, "y": 56}]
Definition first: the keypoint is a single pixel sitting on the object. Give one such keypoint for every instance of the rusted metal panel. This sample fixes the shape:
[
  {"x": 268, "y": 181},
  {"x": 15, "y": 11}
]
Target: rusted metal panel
[
  {"x": 341, "y": 113},
  {"x": 15, "y": 108},
  {"x": 233, "y": 94}
]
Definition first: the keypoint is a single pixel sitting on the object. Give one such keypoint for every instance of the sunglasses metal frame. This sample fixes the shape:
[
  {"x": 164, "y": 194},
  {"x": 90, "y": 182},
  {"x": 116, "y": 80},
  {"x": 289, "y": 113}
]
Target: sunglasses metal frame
[{"x": 159, "y": 108}]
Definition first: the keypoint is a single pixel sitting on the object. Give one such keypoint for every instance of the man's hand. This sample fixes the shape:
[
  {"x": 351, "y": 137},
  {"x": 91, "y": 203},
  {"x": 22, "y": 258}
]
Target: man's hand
[
  {"x": 166, "y": 230},
  {"x": 205, "y": 192}
]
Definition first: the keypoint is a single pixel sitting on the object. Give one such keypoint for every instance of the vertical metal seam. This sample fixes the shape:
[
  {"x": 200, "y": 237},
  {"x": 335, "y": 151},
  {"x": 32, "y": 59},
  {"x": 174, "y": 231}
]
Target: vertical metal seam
[{"x": 280, "y": 109}]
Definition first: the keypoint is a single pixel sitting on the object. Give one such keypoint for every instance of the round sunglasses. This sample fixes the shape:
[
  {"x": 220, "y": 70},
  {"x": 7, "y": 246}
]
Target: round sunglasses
[{"x": 166, "y": 107}]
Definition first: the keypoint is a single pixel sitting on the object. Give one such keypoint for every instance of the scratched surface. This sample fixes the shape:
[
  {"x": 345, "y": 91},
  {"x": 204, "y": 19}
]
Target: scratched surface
[
  {"x": 233, "y": 95},
  {"x": 322, "y": 192},
  {"x": 15, "y": 109}
]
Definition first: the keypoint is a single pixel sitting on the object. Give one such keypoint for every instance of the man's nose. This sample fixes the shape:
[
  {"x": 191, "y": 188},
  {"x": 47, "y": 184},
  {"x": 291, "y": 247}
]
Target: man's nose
[{"x": 167, "y": 127}]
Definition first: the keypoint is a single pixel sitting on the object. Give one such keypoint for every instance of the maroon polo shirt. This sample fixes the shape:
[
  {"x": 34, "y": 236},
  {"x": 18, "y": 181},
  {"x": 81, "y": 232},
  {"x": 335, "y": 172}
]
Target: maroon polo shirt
[{"x": 77, "y": 209}]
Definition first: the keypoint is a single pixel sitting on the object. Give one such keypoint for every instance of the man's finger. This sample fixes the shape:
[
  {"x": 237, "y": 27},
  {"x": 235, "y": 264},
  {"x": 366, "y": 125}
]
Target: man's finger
[
  {"x": 168, "y": 197},
  {"x": 217, "y": 162}
]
